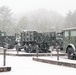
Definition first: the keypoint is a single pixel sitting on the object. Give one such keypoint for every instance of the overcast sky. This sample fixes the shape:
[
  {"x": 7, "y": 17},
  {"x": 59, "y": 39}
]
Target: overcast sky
[{"x": 21, "y": 6}]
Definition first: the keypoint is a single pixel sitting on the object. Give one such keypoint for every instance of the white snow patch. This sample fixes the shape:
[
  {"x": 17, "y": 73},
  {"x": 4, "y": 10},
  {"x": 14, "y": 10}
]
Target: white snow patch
[{"x": 26, "y": 66}]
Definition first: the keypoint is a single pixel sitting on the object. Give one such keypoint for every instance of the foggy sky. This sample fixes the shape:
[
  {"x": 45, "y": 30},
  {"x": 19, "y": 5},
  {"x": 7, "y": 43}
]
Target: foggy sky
[{"x": 22, "y": 6}]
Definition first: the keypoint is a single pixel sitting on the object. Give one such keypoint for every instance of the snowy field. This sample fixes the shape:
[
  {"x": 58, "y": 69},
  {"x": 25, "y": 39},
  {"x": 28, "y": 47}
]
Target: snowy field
[
  {"x": 13, "y": 51},
  {"x": 61, "y": 59},
  {"x": 26, "y": 66}
]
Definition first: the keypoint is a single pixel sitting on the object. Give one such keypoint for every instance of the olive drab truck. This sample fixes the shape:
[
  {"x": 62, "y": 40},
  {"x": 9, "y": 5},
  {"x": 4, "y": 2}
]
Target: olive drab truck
[
  {"x": 31, "y": 39},
  {"x": 69, "y": 42}
]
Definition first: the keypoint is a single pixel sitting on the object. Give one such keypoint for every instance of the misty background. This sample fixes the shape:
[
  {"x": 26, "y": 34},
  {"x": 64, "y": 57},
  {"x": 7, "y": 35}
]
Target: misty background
[{"x": 41, "y": 20}]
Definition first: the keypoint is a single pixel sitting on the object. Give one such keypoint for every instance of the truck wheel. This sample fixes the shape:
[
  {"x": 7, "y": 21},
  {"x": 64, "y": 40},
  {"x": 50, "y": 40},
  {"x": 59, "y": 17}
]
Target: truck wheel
[{"x": 70, "y": 52}]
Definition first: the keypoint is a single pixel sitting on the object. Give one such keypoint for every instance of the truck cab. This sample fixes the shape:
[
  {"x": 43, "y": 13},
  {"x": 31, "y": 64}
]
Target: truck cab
[{"x": 69, "y": 42}]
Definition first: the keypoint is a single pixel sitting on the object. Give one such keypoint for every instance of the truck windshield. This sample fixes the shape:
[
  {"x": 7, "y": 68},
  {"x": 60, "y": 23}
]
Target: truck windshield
[
  {"x": 66, "y": 34},
  {"x": 73, "y": 33}
]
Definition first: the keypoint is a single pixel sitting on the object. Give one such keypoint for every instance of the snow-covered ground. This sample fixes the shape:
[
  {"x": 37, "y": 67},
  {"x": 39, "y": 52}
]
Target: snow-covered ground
[
  {"x": 61, "y": 59},
  {"x": 13, "y": 51},
  {"x": 26, "y": 66}
]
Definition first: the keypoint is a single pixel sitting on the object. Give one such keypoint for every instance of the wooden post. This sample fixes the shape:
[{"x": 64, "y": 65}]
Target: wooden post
[
  {"x": 17, "y": 48},
  {"x": 37, "y": 50},
  {"x": 51, "y": 52},
  {"x": 57, "y": 54},
  {"x": 51, "y": 49},
  {"x": 4, "y": 59}
]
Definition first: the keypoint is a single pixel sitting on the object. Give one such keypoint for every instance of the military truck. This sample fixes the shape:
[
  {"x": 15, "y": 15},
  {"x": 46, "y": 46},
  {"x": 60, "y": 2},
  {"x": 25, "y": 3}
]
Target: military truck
[
  {"x": 31, "y": 39},
  {"x": 69, "y": 42}
]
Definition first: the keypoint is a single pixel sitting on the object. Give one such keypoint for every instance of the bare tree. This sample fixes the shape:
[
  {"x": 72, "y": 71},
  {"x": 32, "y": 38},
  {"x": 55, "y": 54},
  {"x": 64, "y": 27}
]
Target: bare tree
[
  {"x": 68, "y": 19},
  {"x": 46, "y": 21},
  {"x": 6, "y": 19},
  {"x": 74, "y": 19},
  {"x": 41, "y": 20},
  {"x": 22, "y": 24}
]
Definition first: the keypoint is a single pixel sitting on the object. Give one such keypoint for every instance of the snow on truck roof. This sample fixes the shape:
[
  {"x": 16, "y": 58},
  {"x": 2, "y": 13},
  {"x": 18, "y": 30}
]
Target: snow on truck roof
[
  {"x": 28, "y": 30},
  {"x": 73, "y": 28}
]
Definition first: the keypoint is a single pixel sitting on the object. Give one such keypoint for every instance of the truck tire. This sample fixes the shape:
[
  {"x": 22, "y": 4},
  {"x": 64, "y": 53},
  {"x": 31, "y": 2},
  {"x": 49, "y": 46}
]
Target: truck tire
[{"x": 70, "y": 52}]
